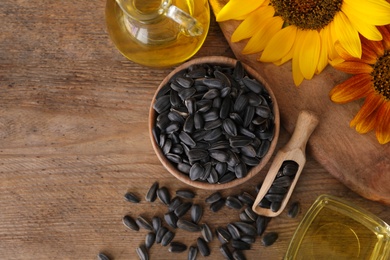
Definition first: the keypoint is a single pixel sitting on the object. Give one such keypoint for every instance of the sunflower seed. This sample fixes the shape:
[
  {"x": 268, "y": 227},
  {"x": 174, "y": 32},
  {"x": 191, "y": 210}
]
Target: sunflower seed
[
  {"x": 223, "y": 235},
  {"x": 240, "y": 245},
  {"x": 182, "y": 209},
  {"x": 251, "y": 214},
  {"x": 240, "y": 170},
  {"x": 186, "y": 93},
  {"x": 261, "y": 224},
  {"x": 213, "y": 124},
  {"x": 233, "y": 202},
  {"x": 238, "y": 255},
  {"x": 229, "y": 127},
  {"x": 160, "y": 234},
  {"x": 284, "y": 181},
  {"x": 203, "y": 247},
  {"x": 294, "y": 209},
  {"x": 239, "y": 141},
  {"x": 207, "y": 233},
  {"x": 275, "y": 206},
  {"x": 246, "y": 228},
  {"x": 248, "y": 239},
  {"x": 130, "y": 223},
  {"x": 216, "y": 196},
  {"x": 264, "y": 203},
  {"x": 211, "y": 94},
  {"x": 192, "y": 253},
  {"x": 185, "y": 82},
  {"x": 240, "y": 103},
  {"x": 144, "y": 223},
  {"x": 163, "y": 195},
  {"x": 263, "y": 149},
  {"x": 197, "y": 154},
  {"x": 131, "y": 197},
  {"x": 188, "y": 225},
  {"x": 234, "y": 231},
  {"x": 224, "y": 249},
  {"x": 228, "y": 177},
  {"x": 167, "y": 238},
  {"x": 150, "y": 239},
  {"x": 171, "y": 219},
  {"x": 175, "y": 203},
  {"x": 102, "y": 256},
  {"x": 253, "y": 85},
  {"x": 213, "y": 177},
  {"x": 151, "y": 195},
  {"x": 244, "y": 217},
  {"x": 269, "y": 238},
  {"x": 185, "y": 194},
  {"x": 196, "y": 213},
  {"x": 196, "y": 171},
  {"x": 177, "y": 247},
  {"x": 212, "y": 135},
  {"x": 184, "y": 168},
  {"x": 156, "y": 223},
  {"x": 225, "y": 107},
  {"x": 277, "y": 190},
  {"x": 238, "y": 72},
  {"x": 186, "y": 138},
  {"x": 219, "y": 155},
  {"x": 172, "y": 127},
  {"x": 290, "y": 168},
  {"x": 246, "y": 198},
  {"x": 162, "y": 104},
  {"x": 142, "y": 253}
]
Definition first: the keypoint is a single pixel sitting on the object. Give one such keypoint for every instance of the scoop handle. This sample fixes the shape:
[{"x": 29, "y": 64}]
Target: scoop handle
[{"x": 306, "y": 123}]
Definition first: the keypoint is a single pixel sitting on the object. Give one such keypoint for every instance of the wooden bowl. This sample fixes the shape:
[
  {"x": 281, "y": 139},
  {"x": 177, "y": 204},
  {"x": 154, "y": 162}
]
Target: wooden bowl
[{"x": 224, "y": 61}]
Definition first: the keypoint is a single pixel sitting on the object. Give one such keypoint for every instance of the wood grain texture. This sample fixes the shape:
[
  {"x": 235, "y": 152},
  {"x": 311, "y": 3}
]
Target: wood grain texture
[
  {"x": 358, "y": 161},
  {"x": 74, "y": 140}
]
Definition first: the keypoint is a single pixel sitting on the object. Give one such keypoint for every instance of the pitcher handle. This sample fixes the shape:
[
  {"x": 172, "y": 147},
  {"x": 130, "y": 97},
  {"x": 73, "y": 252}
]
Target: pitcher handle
[{"x": 191, "y": 26}]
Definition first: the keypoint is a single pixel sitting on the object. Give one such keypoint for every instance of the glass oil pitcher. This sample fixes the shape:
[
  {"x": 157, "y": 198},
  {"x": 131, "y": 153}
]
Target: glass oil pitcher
[{"x": 158, "y": 33}]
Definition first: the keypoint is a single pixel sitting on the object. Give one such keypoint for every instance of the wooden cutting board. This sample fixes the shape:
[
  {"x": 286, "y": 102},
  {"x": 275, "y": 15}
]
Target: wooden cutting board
[{"x": 358, "y": 161}]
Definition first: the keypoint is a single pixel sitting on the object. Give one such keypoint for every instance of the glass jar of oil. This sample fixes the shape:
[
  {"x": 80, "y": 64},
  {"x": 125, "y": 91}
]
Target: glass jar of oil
[
  {"x": 158, "y": 33},
  {"x": 336, "y": 229}
]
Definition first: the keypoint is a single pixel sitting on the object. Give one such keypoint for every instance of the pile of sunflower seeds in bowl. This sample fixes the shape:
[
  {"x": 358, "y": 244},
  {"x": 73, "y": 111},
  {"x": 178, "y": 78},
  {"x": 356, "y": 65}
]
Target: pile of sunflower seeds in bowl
[{"x": 212, "y": 124}]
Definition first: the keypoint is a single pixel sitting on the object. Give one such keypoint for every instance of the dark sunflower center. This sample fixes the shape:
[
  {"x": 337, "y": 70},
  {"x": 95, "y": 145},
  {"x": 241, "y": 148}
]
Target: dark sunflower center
[
  {"x": 307, "y": 14},
  {"x": 381, "y": 75}
]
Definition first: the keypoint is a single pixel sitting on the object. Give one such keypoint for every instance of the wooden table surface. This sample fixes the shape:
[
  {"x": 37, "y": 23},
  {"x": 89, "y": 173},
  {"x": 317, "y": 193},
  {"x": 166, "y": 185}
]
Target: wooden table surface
[{"x": 74, "y": 140}]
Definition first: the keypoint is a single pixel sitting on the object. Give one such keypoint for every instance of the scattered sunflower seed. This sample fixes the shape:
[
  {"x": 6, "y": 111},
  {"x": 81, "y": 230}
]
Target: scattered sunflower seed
[
  {"x": 130, "y": 223},
  {"x": 102, "y": 256},
  {"x": 269, "y": 238},
  {"x": 131, "y": 197}
]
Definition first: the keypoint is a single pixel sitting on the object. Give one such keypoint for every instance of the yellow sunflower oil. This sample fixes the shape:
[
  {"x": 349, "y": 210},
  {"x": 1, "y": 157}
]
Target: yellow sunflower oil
[
  {"x": 154, "y": 40},
  {"x": 335, "y": 229}
]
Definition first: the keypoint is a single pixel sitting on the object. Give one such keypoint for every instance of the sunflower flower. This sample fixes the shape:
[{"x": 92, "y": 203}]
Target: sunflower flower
[
  {"x": 305, "y": 31},
  {"x": 371, "y": 81}
]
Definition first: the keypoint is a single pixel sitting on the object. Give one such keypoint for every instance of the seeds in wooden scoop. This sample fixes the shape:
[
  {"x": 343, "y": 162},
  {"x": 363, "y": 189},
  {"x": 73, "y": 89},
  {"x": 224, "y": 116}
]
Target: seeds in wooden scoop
[
  {"x": 198, "y": 109},
  {"x": 130, "y": 223},
  {"x": 280, "y": 186}
]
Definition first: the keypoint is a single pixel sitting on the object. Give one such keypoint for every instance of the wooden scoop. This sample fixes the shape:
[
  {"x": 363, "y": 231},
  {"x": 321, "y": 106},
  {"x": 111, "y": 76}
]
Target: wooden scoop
[{"x": 294, "y": 150}]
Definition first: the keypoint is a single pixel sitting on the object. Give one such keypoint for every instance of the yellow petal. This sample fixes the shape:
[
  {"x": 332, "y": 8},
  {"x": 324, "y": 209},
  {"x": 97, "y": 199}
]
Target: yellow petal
[
  {"x": 310, "y": 53},
  {"x": 264, "y": 33},
  {"x": 296, "y": 70},
  {"x": 347, "y": 35},
  {"x": 235, "y": 9},
  {"x": 383, "y": 123},
  {"x": 375, "y": 12},
  {"x": 367, "y": 30},
  {"x": 371, "y": 104},
  {"x": 329, "y": 33},
  {"x": 353, "y": 67},
  {"x": 250, "y": 25},
  {"x": 323, "y": 59},
  {"x": 279, "y": 45},
  {"x": 352, "y": 89}
]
